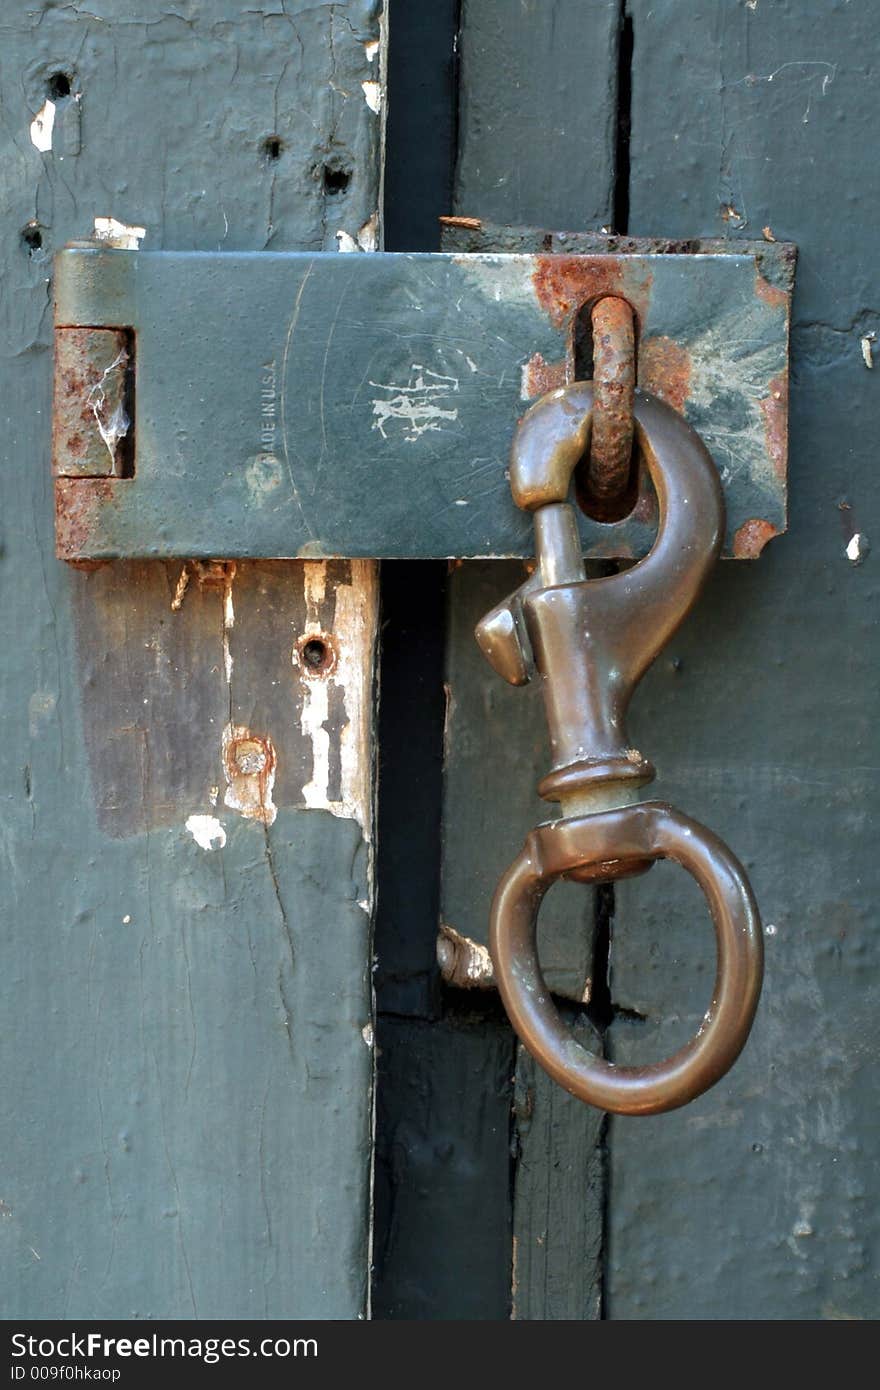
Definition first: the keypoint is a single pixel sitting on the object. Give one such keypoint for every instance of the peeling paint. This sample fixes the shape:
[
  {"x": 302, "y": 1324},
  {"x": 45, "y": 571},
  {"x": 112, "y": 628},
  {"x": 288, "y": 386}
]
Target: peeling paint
[
  {"x": 368, "y": 234},
  {"x": 42, "y": 127},
  {"x": 373, "y": 95},
  {"x": 345, "y": 242},
  {"x": 207, "y": 831},
  {"x": 857, "y": 548},
  {"x": 866, "y": 343},
  {"x": 119, "y": 234},
  {"x": 351, "y": 674}
]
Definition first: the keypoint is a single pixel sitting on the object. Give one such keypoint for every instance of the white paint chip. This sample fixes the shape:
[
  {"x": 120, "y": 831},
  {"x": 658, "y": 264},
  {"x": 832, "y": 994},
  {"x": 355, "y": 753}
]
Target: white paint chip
[
  {"x": 857, "y": 548},
  {"x": 867, "y": 341},
  {"x": 373, "y": 95},
  {"x": 346, "y": 242},
  {"x": 119, "y": 234},
  {"x": 367, "y": 1034},
  {"x": 371, "y": 49},
  {"x": 42, "y": 127},
  {"x": 206, "y": 831}
]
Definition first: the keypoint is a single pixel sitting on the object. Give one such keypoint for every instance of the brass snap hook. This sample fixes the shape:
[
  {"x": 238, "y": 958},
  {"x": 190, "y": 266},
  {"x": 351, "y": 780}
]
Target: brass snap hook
[{"x": 590, "y": 642}]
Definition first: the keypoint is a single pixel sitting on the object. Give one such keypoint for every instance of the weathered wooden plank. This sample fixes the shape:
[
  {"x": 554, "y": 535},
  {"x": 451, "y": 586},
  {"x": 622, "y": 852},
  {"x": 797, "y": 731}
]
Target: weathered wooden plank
[
  {"x": 537, "y": 112},
  {"x": 537, "y": 146},
  {"x": 558, "y": 1209},
  {"x": 442, "y": 1154},
  {"x": 186, "y": 851},
  {"x": 759, "y": 1201}
]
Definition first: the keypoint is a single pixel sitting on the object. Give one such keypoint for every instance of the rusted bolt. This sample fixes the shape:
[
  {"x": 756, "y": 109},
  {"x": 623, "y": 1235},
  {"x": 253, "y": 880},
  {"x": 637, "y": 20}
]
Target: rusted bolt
[
  {"x": 614, "y": 379},
  {"x": 316, "y": 655},
  {"x": 249, "y": 755}
]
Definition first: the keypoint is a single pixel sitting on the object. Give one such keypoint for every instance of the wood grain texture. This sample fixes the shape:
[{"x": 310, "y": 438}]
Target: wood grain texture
[
  {"x": 188, "y": 1060},
  {"x": 759, "y": 1201},
  {"x": 559, "y": 1195},
  {"x": 537, "y": 112}
]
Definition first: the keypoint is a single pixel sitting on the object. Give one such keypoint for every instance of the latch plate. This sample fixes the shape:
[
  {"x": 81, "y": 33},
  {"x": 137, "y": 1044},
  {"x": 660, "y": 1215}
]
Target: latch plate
[{"x": 296, "y": 405}]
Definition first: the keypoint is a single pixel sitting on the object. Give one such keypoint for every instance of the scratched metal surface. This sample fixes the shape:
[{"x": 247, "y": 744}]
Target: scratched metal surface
[
  {"x": 186, "y": 1060},
  {"x": 318, "y": 405}
]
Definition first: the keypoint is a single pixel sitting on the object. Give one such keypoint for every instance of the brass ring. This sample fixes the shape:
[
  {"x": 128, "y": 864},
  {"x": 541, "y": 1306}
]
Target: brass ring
[{"x": 618, "y": 840}]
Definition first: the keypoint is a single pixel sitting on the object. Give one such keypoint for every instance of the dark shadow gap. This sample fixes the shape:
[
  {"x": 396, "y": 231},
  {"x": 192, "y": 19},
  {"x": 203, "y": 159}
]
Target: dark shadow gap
[{"x": 624, "y": 124}]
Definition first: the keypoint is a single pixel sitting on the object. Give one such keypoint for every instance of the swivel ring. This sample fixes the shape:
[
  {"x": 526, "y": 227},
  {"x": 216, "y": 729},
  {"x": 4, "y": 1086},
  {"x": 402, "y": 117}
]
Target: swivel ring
[{"x": 618, "y": 840}]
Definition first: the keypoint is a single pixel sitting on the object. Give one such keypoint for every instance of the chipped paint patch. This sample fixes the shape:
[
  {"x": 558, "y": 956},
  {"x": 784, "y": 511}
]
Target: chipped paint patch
[
  {"x": 368, "y": 235},
  {"x": 866, "y": 343},
  {"x": 122, "y": 235},
  {"x": 207, "y": 831},
  {"x": 249, "y": 763},
  {"x": 42, "y": 127},
  {"x": 350, "y": 673},
  {"x": 371, "y": 49},
  {"x": 373, "y": 95},
  {"x": 421, "y": 406},
  {"x": 857, "y": 548},
  {"x": 346, "y": 243}
]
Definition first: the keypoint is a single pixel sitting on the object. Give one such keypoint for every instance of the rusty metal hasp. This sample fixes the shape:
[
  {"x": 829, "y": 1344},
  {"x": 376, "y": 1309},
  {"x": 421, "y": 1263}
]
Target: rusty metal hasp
[
  {"x": 293, "y": 405},
  {"x": 590, "y": 642}
]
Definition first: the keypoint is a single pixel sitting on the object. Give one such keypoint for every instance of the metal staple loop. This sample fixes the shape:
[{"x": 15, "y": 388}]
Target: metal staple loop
[{"x": 614, "y": 380}]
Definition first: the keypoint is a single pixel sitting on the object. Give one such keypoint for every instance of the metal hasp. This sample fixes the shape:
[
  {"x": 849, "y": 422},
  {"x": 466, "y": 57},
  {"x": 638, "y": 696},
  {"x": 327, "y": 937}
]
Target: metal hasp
[
  {"x": 590, "y": 642},
  {"x": 313, "y": 406}
]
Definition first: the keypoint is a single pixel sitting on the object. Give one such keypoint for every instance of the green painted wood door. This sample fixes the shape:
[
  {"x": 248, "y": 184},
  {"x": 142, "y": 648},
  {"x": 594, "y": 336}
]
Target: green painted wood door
[
  {"x": 191, "y": 862},
  {"x": 187, "y": 846},
  {"x": 677, "y": 120}
]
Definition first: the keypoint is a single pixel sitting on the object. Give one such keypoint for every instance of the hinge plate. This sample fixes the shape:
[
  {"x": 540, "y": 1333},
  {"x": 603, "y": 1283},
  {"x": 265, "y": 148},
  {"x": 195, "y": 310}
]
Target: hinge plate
[{"x": 294, "y": 405}]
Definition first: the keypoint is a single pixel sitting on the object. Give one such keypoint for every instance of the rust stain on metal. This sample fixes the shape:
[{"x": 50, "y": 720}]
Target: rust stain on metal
[
  {"x": 771, "y": 294},
  {"x": 249, "y": 763},
  {"x": 564, "y": 284},
  {"x": 665, "y": 370},
  {"x": 78, "y": 504},
  {"x": 774, "y": 409},
  {"x": 90, "y": 415},
  {"x": 751, "y": 538},
  {"x": 614, "y": 377},
  {"x": 539, "y": 377}
]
